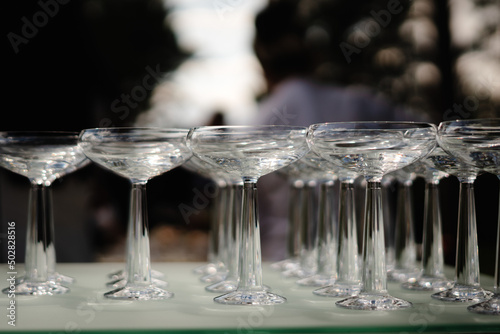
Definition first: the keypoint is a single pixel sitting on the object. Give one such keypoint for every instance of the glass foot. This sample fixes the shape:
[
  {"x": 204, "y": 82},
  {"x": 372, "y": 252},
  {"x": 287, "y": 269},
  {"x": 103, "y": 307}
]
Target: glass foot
[
  {"x": 214, "y": 278},
  {"x": 297, "y": 272},
  {"x": 250, "y": 297},
  {"x": 402, "y": 275},
  {"x": 223, "y": 286},
  {"x": 122, "y": 282},
  {"x": 120, "y": 274},
  {"x": 60, "y": 278},
  {"x": 491, "y": 306},
  {"x": 284, "y": 265},
  {"x": 463, "y": 294},
  {"x": 139, "y": 292},
  {"x": 206, "y": 269},
  {"x": 339, "y": 290},
  {"x": 427, "y": 283},
  {"x": 317, "y": 280},
  {"x": 373, "y": 302},
  {"x": 36, "y": 289}
]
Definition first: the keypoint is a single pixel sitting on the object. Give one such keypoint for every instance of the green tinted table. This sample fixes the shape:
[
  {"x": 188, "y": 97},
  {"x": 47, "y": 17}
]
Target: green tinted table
[{"x": 192, "y": 309}]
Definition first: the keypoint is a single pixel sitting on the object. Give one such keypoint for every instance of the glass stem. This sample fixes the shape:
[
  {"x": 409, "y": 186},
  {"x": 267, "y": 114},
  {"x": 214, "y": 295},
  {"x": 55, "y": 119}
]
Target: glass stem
[
  {"x": 374, "y": 270},
  {"x": 432, "y": 239},
  {"x": 36, "y": 262},
  {"x": 307, "y": 229},
  {"x": 250, "y": 266},
  {"x": 293, "y": 236},
  {"x": 50, "y": 236},
  {"x": 467, "y": 256},
  {"x": 347, "y": 251},
  {"x": 232, "y": 233},
  {"x": 405, "y": 248},
  {"x": 326, "y": 241},
  {"x": 139, "y": 262},
  {"x": 496, "y": 284},
  {"x": 219, "y": 219}
]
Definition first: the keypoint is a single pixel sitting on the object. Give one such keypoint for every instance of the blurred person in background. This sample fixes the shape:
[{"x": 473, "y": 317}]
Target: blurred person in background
[{"x": 294, "y": 51}]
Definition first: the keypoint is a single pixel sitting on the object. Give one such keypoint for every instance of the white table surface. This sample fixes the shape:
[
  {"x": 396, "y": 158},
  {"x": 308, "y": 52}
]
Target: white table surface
[{"x": 192, "y": 310}]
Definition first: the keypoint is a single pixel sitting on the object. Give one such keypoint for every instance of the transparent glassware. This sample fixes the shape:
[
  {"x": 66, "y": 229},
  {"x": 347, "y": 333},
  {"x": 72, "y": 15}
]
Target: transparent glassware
[
  {"x": 325, "y": 244},
  {"x": 219, "y": 225},
  {"x": 137, "y": 154},
  {"x": 291, "y": 261},
  {"x": 477, "y": 142},
  {"x": 466, "y": 286},
  {"x": 42, "y": 157},
  {"x": 325, "y": 270},
  {"x": 308, "y": 221},
  {"x": 248, "y": 152},
  {"x": 373, "y": 149},
  {"x": 431, "y": 277},
  {"x": 405, "y": 248},
  {"x": 229, "y": 281},
  {"x": 389, "y": 202},
  {"x": 348, "y": 282},
  {"x": 300, "y": 207}
]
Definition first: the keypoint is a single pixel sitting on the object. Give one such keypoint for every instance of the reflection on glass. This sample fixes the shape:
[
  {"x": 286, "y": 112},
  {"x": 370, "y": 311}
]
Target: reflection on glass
[
  {"x": 373, "y": 149},
  {"x": 248, "y": 152}
]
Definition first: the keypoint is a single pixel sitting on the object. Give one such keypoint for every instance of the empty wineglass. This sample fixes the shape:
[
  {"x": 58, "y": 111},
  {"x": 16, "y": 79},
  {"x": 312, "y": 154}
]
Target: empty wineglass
[
  {"x": 325, "y": 244},
  {"x": 218, "y": 250},
  {"x": 431, "y": 277},
  {"x": 249, "y": 152},
  {"x": 405, "y": 247},
  {"x": 291, "y": 261},
  {"x": 348, "y": 282},
  {"x": 373, "y": 149},
  {"x": 466, "y": 286},
  {"x": 137, "y": 154},
  {"x": 225, "y": 228},
  {"x": 42, "y": 157},
  {"x": 477, "y": 142},
  {"x": 307, "y": 223}
]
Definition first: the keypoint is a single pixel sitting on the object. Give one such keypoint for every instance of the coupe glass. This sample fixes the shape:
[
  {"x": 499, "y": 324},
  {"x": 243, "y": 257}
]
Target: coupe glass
[
  {"x": 225, "y": 229},
  {"x": 291, "y": 261},
  {"x": 230, "y": 278},
  {"x": 431, "y": 277},
  {"x": 325, "y": 241},
  {"x": 348, "y": 282},
  {"x": 373, "y": 149},
  {"x": 137, "y": 154},
  {"x": 308, "y": 221},
  {"x": 477, "y": 142},
  {"x": 215, "y": 269},
  {"x": 405, "y": 249},
  {"x": 466, "y": 286},
  {"x": 42, "y": 157},
  {"x": 249, "y": 152}
]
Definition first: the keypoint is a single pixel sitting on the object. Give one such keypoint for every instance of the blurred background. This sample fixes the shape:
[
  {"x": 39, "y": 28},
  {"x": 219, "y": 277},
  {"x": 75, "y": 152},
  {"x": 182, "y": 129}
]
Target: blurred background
[{"x": 181, "y": 63}]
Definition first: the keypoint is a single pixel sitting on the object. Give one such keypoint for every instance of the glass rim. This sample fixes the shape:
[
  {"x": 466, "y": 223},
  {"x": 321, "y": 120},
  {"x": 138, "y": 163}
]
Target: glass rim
[
  {"x": 416, "y": 124},
  {"x": 469, "y": 121},
  {"x": 130, "y": 128},
  {"x": 40, "y": 133},
  {"x": 255, "y": 126}
]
